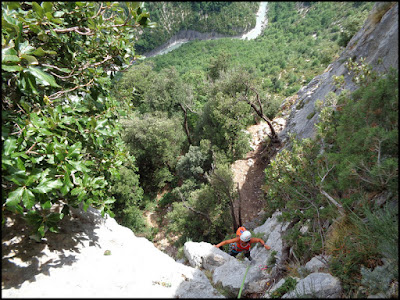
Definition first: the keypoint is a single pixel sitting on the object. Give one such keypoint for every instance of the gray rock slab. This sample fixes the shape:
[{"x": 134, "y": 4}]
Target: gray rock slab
[
  {"x": 205, "y": 255},
  {"x": 317, "y": 285},
  {"x": 317, "y": 263}
]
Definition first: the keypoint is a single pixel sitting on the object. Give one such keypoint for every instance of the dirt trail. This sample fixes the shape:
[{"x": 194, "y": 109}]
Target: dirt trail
[{"x": 249, "y": 172}]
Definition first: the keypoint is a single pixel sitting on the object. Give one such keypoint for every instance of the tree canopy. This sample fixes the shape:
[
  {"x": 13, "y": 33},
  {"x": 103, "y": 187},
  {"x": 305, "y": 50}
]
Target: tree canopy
[{"x": 61, "y": 143}]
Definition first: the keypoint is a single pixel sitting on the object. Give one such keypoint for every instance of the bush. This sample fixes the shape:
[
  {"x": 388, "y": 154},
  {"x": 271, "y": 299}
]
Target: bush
[
  {"x": 56, "y": 151},
  {"x": 156, "y": 141}
]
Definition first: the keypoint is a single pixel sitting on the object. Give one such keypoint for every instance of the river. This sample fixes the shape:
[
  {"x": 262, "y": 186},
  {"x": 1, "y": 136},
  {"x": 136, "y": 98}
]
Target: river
[{"x": 261, "y": 23}]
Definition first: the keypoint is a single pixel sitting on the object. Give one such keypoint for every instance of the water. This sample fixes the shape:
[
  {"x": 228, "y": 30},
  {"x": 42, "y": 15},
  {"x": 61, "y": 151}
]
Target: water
[
  {"x": 261, "y": 22},
  {"x": 171, "y": 47}
]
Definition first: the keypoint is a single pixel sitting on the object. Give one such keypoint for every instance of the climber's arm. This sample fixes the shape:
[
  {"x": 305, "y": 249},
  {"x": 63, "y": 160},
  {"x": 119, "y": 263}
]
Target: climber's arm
[
  {"x": 227, "y": 242},
  {"x": 257, "y": 240}
]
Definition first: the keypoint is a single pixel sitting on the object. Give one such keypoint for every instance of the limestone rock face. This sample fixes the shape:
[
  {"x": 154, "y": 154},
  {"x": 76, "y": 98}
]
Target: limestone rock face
[
  {"x": 317, "y": 263},
  {"x": 377, "y": 42},
  {"x": 317, "y": 285},
  {"x": 204, "y": 255},
  {"x": 272, "y": 231},
  {"x": 98, "y": 258}
]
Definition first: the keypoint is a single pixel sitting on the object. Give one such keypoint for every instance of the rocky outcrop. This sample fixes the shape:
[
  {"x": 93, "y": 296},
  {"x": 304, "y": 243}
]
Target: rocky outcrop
[
  {"x": 272, "y": 231},
  {"x": 96, "y": 257},
  {"x": 377, "y": 42},
  {"x": 317, "y": 263},
  {"x": 316, "y": 285},
  {"x": 204, "y": 255},
  {"x": 228, "y": 272}
]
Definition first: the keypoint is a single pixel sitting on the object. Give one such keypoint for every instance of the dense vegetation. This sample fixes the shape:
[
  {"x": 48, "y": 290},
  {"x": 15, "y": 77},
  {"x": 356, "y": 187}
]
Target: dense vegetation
[
  {"x": 229, "y": 18},
  {"x": 298, "y": 43},
  {"x": 61, "y": 142},
  {"x": 350, "y": 186},
  {"x": 201, "y": 86}
]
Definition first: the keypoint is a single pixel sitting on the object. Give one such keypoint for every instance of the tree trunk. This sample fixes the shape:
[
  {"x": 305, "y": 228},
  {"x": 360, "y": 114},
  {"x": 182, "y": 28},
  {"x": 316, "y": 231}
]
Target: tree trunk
[
  {"x": 240, "y": 207},
  {"x": 234, "y": 223},
  {"x": 199, "y": 213},
  {"x": 259, "y": 111},
  {"x": 185, "y": 122}
]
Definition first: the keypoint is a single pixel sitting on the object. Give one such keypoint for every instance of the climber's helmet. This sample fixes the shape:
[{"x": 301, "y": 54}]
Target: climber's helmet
[{"x": 245, "y": 236}]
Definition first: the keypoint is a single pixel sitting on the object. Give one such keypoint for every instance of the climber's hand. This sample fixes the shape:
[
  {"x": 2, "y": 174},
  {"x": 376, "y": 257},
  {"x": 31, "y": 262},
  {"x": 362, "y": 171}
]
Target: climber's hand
[{"x": 267, "y": 247}]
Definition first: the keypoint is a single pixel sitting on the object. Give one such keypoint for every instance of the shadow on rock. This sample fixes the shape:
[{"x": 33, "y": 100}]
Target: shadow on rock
[{"x": 23, "y": 258}]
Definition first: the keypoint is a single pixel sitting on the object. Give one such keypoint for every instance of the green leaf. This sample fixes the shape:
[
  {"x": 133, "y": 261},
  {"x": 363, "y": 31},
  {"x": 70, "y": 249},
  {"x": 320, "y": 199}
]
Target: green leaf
[
  {"x": 45, "y": 131},
  {"x": 43, "y": 77},
  {"x": 15, "y": 197},
  {"x": 76, "y": 191},
  {"x": 20, "y": 164},
  {"x": 32, "y": 178},
  {"x": 46, "y": 205},
  {"x": 42, "y": 230},
  {"x": 75, "y": 149},
  {"x": 10, "y": 58},
  {"x": 31, "y": 83},
  {"x": 11, "y": 68},
  {"x": 9, "y": 146},
  {"x": 47, "y": 185},
  {"x": 52, "y": 52},
  {"x": 86, "y": 206},
  {"x": 54, "y": 217},
  {"x": 59, "y": 14},
  {"x": 28, "y": 198},
  {"x": 78, "y": 165},
  {"x": 38, "y": 9},
  {"x": 25, "y": 48},
  {"x": 109, "y": 201},
  {"x": 47, "y": 6},
  {"x": 19, "y": 154},
  {"x": 9, "y": 49},
  {"x": 39, "y": 52},
  {"x": 13, "y": 5},
  {"x": 31, "y": 59}
]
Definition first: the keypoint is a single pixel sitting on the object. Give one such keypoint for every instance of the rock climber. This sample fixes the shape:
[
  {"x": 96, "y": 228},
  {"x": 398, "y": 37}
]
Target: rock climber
[{"x": 242, "y": 243}]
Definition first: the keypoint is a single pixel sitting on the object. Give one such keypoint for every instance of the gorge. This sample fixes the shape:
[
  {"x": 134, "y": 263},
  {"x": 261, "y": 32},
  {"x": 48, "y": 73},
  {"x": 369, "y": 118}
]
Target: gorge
[{"x": 95, "y": 257}]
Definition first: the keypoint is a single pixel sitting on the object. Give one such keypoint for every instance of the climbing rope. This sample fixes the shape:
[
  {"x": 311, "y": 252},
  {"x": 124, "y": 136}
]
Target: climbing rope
[{"x": 241, "y": 288}]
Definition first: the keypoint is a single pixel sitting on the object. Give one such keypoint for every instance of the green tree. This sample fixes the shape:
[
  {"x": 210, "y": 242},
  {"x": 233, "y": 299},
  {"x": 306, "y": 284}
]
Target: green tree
[
  {"x": 223, "y": 121},
  {"x": 218, "y": 65},
  {"x": 203, "y": 213},
  {"x": 129, "y": 195},
  {"x": 156, "y": 141},
  {"x": 61, "y": 143},
  {"x": 195, "y": 162}
]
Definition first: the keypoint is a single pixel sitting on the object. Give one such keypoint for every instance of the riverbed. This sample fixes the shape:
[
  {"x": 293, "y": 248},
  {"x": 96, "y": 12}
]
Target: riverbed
[{"x": 261, "y": 23}]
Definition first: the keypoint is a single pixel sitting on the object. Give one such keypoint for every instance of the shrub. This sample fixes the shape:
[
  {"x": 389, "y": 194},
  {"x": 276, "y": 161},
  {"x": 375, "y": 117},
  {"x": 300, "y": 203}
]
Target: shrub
[{"x": 56, "y": 151}]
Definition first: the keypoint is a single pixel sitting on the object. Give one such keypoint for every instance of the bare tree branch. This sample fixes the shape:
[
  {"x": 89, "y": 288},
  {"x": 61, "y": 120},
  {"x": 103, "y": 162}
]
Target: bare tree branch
[
  {"x": 333, "y": 201},
  {"x": 259, "y": 111},
  {"x": 59, "y": 93}
]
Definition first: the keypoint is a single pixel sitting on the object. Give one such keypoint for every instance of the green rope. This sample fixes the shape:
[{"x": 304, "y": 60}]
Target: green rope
[{"x": 241, "y": 288}]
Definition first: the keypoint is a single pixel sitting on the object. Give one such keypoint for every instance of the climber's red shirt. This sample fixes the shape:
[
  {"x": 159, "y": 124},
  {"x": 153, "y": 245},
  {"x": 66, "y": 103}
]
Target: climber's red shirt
[{"x": 240, "y": 246}]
